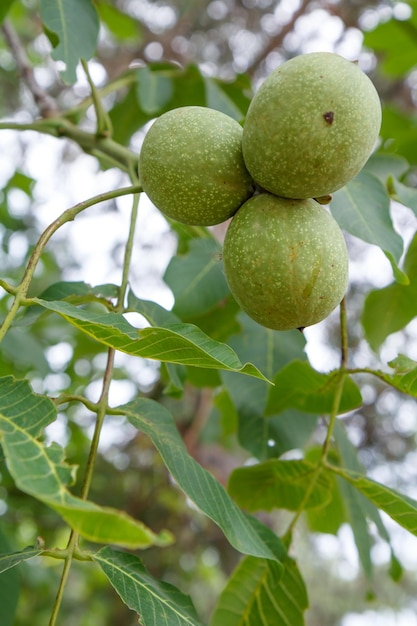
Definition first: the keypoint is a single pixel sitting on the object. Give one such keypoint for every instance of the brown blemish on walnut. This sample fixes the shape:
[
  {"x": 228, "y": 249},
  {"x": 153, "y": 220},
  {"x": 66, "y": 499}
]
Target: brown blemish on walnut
[{"x": 328, "y": 117}]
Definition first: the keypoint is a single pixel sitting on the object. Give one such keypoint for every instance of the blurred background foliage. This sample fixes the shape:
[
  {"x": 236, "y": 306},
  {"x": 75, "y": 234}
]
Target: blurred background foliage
[{"x": 153, "y": 56}]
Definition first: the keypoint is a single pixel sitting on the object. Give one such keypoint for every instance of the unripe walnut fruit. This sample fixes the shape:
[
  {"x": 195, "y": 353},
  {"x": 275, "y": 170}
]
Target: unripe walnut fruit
[
  {"x": 286, "y": 261},
  {"x": 311, "y": 126},
  {"x": 191, "y": 166}
]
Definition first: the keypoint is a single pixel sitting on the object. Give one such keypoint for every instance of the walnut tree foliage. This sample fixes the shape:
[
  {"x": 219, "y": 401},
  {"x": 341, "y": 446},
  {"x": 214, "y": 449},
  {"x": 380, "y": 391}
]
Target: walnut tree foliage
[{"x": 188, "y": 501}]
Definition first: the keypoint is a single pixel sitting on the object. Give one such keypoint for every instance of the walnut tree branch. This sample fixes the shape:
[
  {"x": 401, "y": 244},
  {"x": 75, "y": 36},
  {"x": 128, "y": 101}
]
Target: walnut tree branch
[
  {"x": 47, "y": 105},
  {"x": 276, "y": 42}
]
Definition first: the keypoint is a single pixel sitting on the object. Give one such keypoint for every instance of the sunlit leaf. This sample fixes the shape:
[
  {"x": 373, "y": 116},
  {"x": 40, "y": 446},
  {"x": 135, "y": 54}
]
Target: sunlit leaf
[
  {"x": 259, "y": 595},
  {"x": 157, "y": 603},
  {"x": 278, "y": 484},
  {"x": 42, "y": 472},
  {"x": 300, "y": 386},
  {"x": 399, "y": 131},
  {"x": 178, "y": 343},
  {"x": 395, "y": 39},
  {"x": 120, "y": 24},
  {"x": 329, "y": 517}
]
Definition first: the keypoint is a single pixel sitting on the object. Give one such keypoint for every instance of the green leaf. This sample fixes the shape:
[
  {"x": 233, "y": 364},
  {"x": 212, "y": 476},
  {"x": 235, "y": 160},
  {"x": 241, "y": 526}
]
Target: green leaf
[
  {"x": 396, "y": 570},
  {"x": 330, "y": 517},
  {"x": 399, "y": 131},
  {"x": 359, "y": 508},
  {"x": 197, "y": 483},
  {"x": 300, "y": 386},
  {"x": 259, "y": 595},
  {"x": 172, "y": 374},
  {"x": 196, "y": 279},
  {"x": 74, "y": 26},
  {"x": 41, "y": 472},
  {"x": 77, "y": 291},
  {"x": 9, "y": 584},
  {"x": 163, "y": 86},
  {"x": 398, "y": 506},
  {"x": 391, "y": 308},
  {"x": 405, "y": 377},
  {"x": 178, "y": 343},
  {"x": 119, "y": 24},
  {"x": 156, "y": 603},
  {"x": 153, "y": 312},
  {"x": 278, "y": 484},
  {"x": 4, "y": 9},
  {"x": 396, "y": 40},
  {"x": 269, "y": 351},
  {"x": 154, "y": 90},
  {"x": 218, "y": 99},
  {"x": 362, "y": 209},
  {"x": 406, "y": 195},
  {"x": 384, "y": 165},
  {"x": 11, "y": 559},
  {"x": 23, "y": 349},
  {"x": 235, "y": 96},
  {"x": 21, "y": 181}
]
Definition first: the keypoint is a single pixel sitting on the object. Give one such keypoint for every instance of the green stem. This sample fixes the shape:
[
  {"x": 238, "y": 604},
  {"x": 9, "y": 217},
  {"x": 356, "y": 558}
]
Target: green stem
[
  {"x": 89, "y": 142},
  {"x": 66, "y": 398},
  {"x": 101, "y": 414},
  {"x": 7, "y": 287},
  {"x": 104, "y": 125},
  {"x": 120, "y": 82},
  {"x": 342, "y": 372},
  {"x": 65, "y": 217},
  {"x": 344, "y": 343},
  {"x": 102, "y": 405},
  {"x": 321, "y": 462},
  {"x": 72, "y": 543},
  {"x": 101, "y": 410},
  {"x": 128, "y": 254}
]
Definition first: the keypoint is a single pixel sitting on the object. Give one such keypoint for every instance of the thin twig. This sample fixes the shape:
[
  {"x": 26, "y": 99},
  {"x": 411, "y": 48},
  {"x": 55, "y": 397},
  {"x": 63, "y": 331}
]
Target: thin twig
[
  {"x": 65, "y": 217},
  {"x": 47, "y": 105},
  {"x": 344, "y": 343}
]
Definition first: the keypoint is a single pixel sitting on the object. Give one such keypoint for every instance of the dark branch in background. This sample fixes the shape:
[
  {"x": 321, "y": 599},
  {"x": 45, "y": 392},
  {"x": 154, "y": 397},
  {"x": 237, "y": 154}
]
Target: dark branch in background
[
  {"x": 46, "y": 105},
  {"x": 276, "y": 42}
]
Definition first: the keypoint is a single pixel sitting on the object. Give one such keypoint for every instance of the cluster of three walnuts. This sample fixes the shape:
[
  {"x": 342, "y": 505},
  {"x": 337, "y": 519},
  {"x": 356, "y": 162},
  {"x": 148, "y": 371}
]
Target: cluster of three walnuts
[{"x": 309, "y": 130}]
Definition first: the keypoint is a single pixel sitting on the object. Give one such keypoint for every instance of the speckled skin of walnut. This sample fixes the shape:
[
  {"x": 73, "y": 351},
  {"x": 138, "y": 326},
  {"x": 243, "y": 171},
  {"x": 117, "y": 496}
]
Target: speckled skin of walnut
[
  {"x": 191, "y": 166},
  {"x": 286, "y": 261},
  {"x": 311, "y": 126}
]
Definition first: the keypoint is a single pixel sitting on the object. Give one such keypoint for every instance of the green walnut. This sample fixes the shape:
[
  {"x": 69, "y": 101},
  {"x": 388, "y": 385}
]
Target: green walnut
[
  {"x": 286, "y": 261},
  {"x": 311, "y": 126},
  {"x": 191, "y": 166}
]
